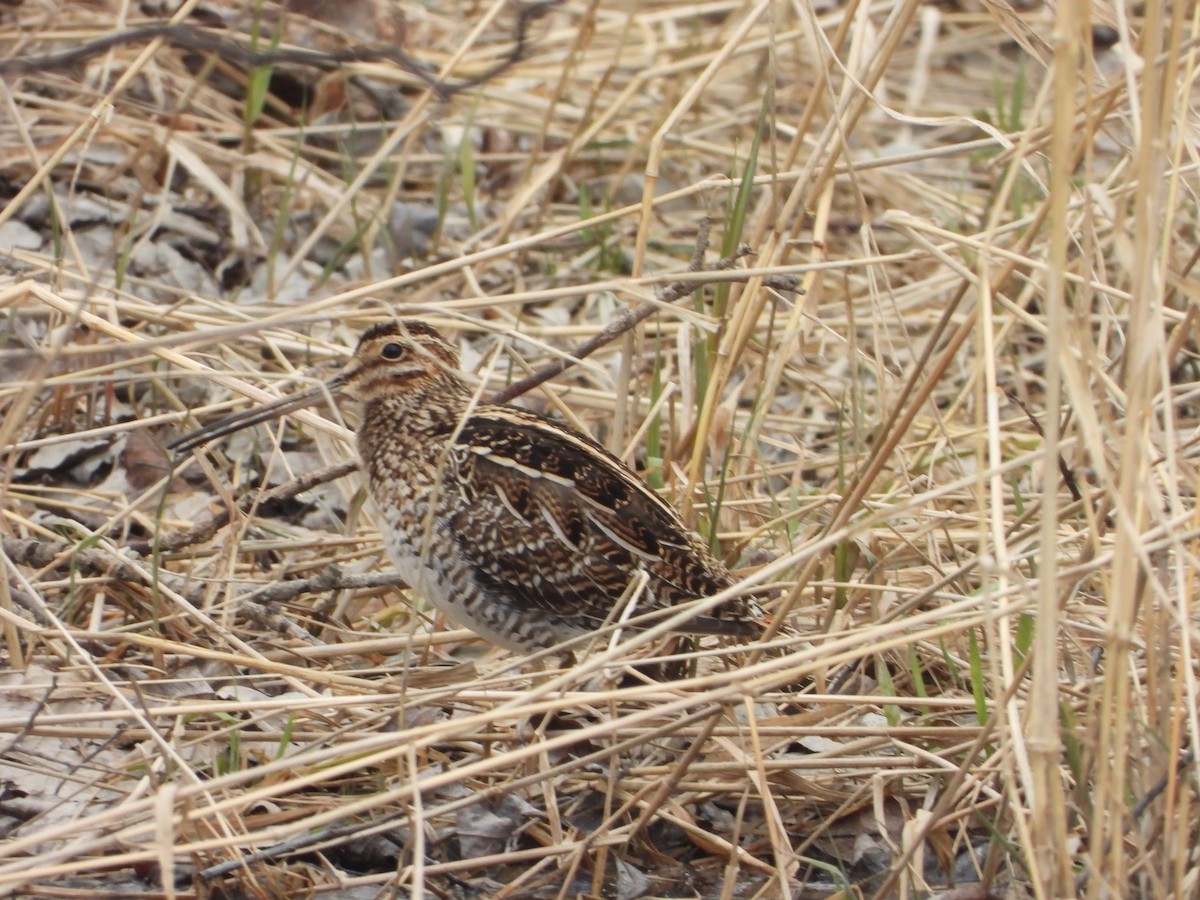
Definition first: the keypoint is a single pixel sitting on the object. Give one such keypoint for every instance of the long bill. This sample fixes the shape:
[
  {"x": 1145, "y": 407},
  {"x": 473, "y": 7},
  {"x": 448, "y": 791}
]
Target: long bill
[{"x": 254, "y": 416}]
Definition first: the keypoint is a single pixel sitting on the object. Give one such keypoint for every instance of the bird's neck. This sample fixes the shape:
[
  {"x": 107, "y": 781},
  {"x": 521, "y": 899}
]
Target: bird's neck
[{"x": 409, "y": 420}]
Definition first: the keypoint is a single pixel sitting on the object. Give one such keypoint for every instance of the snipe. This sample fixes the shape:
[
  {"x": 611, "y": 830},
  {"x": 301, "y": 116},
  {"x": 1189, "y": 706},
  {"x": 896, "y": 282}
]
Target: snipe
[{"x": 516, "y": 527}]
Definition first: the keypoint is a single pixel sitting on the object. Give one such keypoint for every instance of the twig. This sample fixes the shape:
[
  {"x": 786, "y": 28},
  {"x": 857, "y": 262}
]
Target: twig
[
  {"x": 332, "y": 578},
  {"x": 1139, "y": 809},
  {"x": 1063, "y": 469},
  {"x": 333, "y": 834},
  {"x": 40, "y": 554},
  {"x": 189, "y": 37},
  {"x": 628, "y": 319},
  {"x": 27, "y": 726},
  {"x": 208, "y": 526}
]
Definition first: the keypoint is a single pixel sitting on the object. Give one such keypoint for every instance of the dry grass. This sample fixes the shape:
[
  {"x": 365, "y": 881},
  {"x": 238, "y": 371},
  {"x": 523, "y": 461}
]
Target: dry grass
[{"x": 961, "y": 457}]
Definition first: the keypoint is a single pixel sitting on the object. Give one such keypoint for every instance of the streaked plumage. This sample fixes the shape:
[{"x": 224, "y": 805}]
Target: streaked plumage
[{"x": 522, "y": 530}]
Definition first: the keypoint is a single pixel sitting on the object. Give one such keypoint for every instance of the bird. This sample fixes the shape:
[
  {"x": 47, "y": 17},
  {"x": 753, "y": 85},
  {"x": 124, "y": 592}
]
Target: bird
[{"x": 525, "y": 531}]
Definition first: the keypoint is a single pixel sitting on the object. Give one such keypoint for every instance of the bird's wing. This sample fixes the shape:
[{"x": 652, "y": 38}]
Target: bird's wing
[{"x": 562, "y": 525}]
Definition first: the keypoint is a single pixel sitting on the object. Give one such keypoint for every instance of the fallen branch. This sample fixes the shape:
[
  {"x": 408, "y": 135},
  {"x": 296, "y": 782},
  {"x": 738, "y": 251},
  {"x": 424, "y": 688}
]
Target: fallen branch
[{"x": 202, "y": 40}]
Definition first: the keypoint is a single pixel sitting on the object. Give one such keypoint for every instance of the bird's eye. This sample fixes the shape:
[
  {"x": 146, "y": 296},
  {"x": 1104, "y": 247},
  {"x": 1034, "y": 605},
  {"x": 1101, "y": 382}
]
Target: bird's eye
[{"x": 391, "y": 351}]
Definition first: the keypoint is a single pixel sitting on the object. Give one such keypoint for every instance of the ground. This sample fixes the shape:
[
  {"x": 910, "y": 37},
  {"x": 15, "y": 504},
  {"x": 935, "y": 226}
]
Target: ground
[{"x": 914, "y": 347}]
